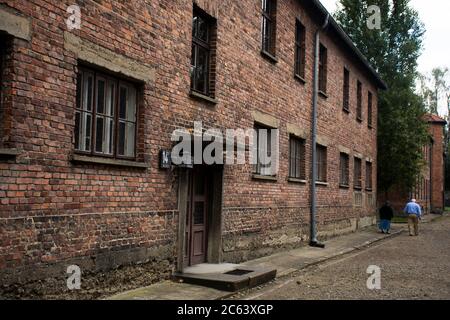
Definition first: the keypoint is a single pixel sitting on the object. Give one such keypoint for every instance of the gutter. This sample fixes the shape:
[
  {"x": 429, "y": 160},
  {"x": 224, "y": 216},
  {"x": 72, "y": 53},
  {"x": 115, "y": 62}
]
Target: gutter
[{"x": 313, "y": 236}]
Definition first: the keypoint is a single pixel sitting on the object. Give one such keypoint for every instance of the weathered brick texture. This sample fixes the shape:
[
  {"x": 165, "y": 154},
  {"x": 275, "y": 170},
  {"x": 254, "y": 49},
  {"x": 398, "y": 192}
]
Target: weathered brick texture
[{"x": 54, "y": 211}]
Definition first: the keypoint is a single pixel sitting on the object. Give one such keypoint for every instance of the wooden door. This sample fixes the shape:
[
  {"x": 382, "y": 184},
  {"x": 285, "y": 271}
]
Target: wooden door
[{"x": 196, "y": 219}]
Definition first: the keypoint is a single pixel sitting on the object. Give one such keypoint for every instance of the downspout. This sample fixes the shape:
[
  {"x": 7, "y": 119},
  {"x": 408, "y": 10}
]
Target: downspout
[{"x": 313, "y": 237}]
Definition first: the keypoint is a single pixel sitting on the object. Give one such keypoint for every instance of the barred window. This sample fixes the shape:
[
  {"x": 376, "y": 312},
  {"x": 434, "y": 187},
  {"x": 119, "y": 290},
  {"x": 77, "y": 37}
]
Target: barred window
[
  {"x": 357, "y": 176},
  {"x": 321, "y": 163},
  {"x": 369, "y": 175},
  {"x": 2, "y": 58},
  {"x": 297, "y": 158},
  {"x": 369, "y": 109},
  {"x": 269, "y": 9},
  {"x": 344, "y": 170},
  {"x": 263, "y": 146},
  {"x": 105, "y": 116},
  {"x": 300, "y": 49},
  {"x": 346, "y": 90},
  {"x": 323, "y": 66},
  {"x": 359, "y": 101},
  {"x": 203, "y": 53}
]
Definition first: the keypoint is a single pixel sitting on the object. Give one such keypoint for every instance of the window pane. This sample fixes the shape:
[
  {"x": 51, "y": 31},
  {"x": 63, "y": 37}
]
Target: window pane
[
  {"x": 131, "y": 105},
  {"x": 99, "y": 134},
  {"x": 130, "y": 138},
  {"x": 110, "y": 99},
  {"x": 83, "y": 118},
  {"x": 194, "y": 26},
  {"x": 126, "y": 139},
  {"x": 87, "y": 129},
  {"x": 122, "y": 102},
  {"x": 267, "y": 31},
  {"x": 109, "y": 137},
  {"x": 88, "y": 94},
  {"x": 202, "y": 29},
  {"x": 100, "y": 96},
  {"x": 202, "y": 70},
  {"x": 127, "y": 127},
  {"x": 121, "y": 146}
]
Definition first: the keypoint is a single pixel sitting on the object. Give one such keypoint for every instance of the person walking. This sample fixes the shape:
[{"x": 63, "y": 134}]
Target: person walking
[
  {"x": 386, "y": 215},
  {"x": 414, "y": 213}
]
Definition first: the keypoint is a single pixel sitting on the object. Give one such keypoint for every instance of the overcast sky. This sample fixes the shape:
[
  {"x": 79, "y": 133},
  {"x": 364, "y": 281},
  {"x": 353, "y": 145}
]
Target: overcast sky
[{"x": 435, "y": 14}]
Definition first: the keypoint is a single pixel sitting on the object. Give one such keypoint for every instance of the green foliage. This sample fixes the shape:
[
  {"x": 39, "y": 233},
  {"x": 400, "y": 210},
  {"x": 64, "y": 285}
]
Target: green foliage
[{"x": 393, "y": 51}]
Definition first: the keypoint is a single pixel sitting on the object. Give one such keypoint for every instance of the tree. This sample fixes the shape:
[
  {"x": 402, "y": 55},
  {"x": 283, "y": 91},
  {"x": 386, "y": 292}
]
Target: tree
[{"x": 393, "y": 51}]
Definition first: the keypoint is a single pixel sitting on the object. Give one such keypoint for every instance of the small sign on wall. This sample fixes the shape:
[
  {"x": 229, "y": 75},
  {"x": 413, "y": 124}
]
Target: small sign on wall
[{"x": 165, "y": 161}]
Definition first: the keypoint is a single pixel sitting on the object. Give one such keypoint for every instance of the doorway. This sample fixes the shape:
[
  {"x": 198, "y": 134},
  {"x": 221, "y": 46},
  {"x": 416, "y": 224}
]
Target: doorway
[
  {"x": 200, "y": 216},
  {"x": 198, "y": 209}
]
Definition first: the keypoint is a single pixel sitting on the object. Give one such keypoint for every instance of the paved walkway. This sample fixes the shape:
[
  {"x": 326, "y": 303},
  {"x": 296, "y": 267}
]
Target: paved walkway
[{"x": 285, "y": 262}]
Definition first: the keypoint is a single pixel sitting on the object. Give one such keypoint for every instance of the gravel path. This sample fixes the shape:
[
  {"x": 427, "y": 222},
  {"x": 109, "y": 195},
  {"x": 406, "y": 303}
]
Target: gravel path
[{"x": 411, "y": 268}]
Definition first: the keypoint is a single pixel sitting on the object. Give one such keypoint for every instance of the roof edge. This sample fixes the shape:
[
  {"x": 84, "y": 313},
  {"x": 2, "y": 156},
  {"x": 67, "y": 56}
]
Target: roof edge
[{"x": 348, "y": 41}]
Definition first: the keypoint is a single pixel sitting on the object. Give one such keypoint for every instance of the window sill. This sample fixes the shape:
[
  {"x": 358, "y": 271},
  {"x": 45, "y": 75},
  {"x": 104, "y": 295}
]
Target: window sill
[
  {"x": 9, "y": 152},
  {"x": 200, "y": 96},
  {"x": 320, "y": 183},
  {"x": 261, "y": 177},
  {"x": 359, "y": 120},
  {"x": 369, "y": 189},
  {"x": 296, "y": 180},
  {"x": 107, "y": 161},
  {"x": 344, "y": 186},
  {"x": 300, "y": 78},
  {"x": 370, "y": 127},
  {"x": 357, "y": 188},
  {"x": 347, "y": 111},
  {"x": 269, "y": 56},
  {"x": 323, "y": 94}
]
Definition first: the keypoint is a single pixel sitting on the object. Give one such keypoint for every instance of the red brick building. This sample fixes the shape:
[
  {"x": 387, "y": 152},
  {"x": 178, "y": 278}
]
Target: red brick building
[
  {"x": 429, "y": 189},
  {"x": 85, "y": 113}
]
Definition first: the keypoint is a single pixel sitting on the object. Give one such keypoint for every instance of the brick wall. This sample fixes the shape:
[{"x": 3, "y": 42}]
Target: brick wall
[
  {"x": 429, "y": 188},
  {"x": 54, "y": 210},
  {"x": 437, "y": 170}
]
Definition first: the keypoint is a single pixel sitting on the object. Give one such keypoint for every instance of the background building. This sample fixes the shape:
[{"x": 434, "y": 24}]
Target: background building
[{"x": 429, "y": 189}]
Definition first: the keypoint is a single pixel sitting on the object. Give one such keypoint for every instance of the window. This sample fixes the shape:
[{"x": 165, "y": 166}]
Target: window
[
  {"x": 321, "y": 163},
  {"x": 105, "y": 116},
  {"x": 359, "y": 101},
  {"x": 344, "y": 170},
  {"x": 323, "y": 69},
  {"x": 297, "y": 158},
  {"x": 369, "y": 109},
  {"x": 269, "y": 9},
  {"x": 263, "y": 143},
  {"x": 357, "y": 176},
  {"x": 2, "y": 61},
  {"x": 346, "y": 90},
  {"x": 369, "y": 175},
  {"x": 203, "y": 52},
  {"x": 300, "y": 49}
]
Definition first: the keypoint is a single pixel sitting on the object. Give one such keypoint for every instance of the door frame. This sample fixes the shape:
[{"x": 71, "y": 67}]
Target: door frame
[{"x": 214, "y": 225}]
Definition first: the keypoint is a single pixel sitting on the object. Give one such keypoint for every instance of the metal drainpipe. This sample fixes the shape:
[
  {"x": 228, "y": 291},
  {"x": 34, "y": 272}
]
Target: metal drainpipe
[{"x": 313, "y": 237}]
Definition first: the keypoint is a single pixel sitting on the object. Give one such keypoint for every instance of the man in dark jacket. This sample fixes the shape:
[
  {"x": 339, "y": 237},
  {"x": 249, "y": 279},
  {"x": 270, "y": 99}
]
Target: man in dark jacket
[{"x": 386, "y": 215}]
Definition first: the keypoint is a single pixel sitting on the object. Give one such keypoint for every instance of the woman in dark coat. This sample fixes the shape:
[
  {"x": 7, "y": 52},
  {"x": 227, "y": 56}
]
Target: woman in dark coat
[{"x": 386, "y": 215}]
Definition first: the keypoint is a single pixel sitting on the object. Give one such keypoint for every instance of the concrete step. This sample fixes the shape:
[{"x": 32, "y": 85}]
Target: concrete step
[{"x": 241, "y": 277}]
